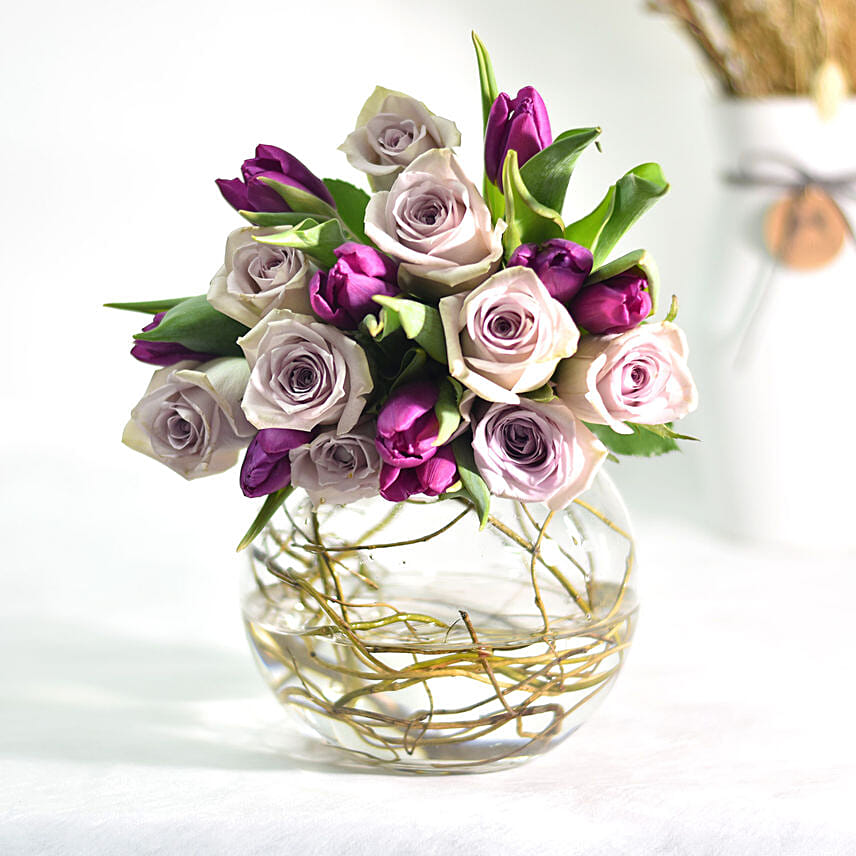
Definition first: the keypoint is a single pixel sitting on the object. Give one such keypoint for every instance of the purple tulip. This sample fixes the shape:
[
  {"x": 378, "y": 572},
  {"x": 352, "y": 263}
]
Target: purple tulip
[
  {"x": 431, "y": 478},
  {"x": 249, "y": 193},
  {"x": 343, "y": 297},
  {"x": 561, "y": 265},
  {"x": 267, "y": 466},
  {"x": 164, "y": 353},
  {"x": 615, "y": 305},
  {"x": 407, "y": 426},
  {"x": 521, "y": 124}
]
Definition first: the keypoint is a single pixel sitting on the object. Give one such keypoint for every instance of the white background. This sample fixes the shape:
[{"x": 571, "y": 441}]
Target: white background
[{"x": 116, "y": 119}]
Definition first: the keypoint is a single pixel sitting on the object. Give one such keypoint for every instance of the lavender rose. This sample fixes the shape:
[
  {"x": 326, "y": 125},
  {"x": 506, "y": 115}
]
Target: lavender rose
[
  {"x": 256, "y": 278},
  {"x": 304, "y": 374},
  {"x": 344, "y": 295},
  {"x": 536, "y": 452},
  {"x": 338, "y": 468},
  {"x": 616, "y": 305},
  {"x": 190, "y": 417},
  {"x": 164, "y": 353},
  {"x": 250, "y": 193},
  {"x": 392, "y": 130},
  {"x": 519, "y": 123},
  {"x": 431, "y": 477},
  {"x": 507, "y": 336},
  {"x": 639, "y": 376},
  {"x": 267, "y": 465},
  {"x": 561, "y": 265},
  {"x": 436, "y": 224}
]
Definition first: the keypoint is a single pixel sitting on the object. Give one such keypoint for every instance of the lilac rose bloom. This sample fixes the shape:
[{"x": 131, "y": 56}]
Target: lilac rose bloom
[
  {"x": 561, "y": 265},
  {"x": 164, "y": 353},
  {"x": 250, "y": 193},
  {"x": 519, "y": 123},
  {"x": 267, "y": 466},
  {"x": 536, "y": 452},
  {"x": 407, "y": 426},
  {"x": 431, "y": 478},
  {"x": 344, "y": 295},
  {"x": 616, "y": 305}
]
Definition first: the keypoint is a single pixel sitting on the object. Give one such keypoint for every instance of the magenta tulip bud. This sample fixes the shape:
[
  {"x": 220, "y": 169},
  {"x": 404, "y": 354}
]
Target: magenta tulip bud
[
  {"x": 267, "y": 464},
  {"x": 250, "y": 193},
  {"x": 343, "y": 296},
  {"x": 521, "y": 124},
  {"x": 407, "y": 426},
  {"x": 561, "y": 265},
  {"x": 615, "y": 305},
  {"x": 164, "y": 353},
  {"x": 430, "y": 478}
]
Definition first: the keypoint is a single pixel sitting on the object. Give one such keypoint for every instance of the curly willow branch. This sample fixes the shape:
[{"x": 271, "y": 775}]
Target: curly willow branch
[{"x": 337, "y": 670}]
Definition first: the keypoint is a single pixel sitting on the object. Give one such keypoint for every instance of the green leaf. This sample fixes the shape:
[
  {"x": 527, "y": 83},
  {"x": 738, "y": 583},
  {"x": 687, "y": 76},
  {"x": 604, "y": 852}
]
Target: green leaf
[
  {"x": 315, "y": 239},
  {"x": 272, "y": 502},
  {"x": 300, "y": 200},
  {"x": 625, "y": 202},
  {"x": 197, "y": 325},
  {"x": 411, "y": 367},
  {"x": 473, "y": 483},
  {"x": 419, "y": 322},
  {"x": 642, "y": 441},
  {"x": 547, "y": 173},
  {"x": 494, "y": 198},
  {"x": 384, "y": 325},
  {"x": 275, "y": 218},
  {"x": 487, "y": 81},
  {"x": 351, "y": 205},
  {"x": 638, "y": 260},
  {"x": 673, "y": 309},
  {"x": 149, "y": 307},
  {"x": 543, "y": 393},
  {"x": 666, "y": 430},
  {"x": 528, "y": 220},
  {"x": 447, "y": 410}
]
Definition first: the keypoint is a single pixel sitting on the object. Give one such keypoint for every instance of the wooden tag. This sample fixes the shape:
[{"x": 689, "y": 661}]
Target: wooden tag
[{"x": 805, "y": 232}]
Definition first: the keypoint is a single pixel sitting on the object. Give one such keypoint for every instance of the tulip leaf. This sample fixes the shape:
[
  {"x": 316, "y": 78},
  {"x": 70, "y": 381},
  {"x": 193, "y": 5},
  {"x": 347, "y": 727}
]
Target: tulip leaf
[
  {"x": 625, "y": 202},
  {"x": 673, "y": 310},
  {"x": 543, "y": 393},
  {"x": 275, "y": 218},
  {"x": 412, "y": 367},
  {"x": 384, "y": 325},
  {"x": 547, "y": 173},
  {"x": 473, "y": 483},
  {"x": 272, "y": 502},
  {"x": 447, "y": 410},
  {"x": 351, "y": 205},
  {"x": 300, "y": 200},
  {"x": 528, "y": 219},
  {"x": 318, "y": 240},
  {"x": 149, "y": 307},
  {"x": 487, "y": 81},
  {"x": 197, "y": 325},
  {"x": 640, "y": 261},
  {"x": 645, "y": 440},
  {"x": 419, "y": 322}
]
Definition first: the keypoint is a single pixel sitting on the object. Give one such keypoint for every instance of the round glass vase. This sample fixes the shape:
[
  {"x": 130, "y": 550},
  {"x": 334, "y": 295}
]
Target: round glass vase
[{"x": 411, "y": 639}]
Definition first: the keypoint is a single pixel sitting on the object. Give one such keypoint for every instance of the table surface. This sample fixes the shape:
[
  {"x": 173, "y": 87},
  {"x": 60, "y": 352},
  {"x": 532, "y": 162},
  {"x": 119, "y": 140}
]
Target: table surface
[{"x": 730, "y": 730}]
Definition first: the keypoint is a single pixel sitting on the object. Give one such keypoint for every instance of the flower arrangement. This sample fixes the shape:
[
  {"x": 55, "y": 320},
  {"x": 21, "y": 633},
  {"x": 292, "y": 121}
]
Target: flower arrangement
[{"x": 428, "y": 340}]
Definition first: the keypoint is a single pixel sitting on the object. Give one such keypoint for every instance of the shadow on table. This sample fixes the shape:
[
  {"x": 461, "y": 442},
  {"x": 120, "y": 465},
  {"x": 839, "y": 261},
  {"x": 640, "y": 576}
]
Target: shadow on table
[{"x": 81, "y": 694}]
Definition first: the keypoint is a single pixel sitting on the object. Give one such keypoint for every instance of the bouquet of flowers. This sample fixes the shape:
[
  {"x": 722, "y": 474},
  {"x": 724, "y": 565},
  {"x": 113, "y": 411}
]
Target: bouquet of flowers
[{"x": 426, "y": 340}]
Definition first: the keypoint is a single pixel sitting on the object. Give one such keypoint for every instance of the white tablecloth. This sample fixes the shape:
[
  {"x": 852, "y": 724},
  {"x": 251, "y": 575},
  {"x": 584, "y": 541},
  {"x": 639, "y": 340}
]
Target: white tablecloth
[{"x": 730, "y": 730}]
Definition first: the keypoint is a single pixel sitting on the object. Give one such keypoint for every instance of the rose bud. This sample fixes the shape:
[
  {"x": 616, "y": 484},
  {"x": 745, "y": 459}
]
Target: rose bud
[
  {"x": 250, "y": 193},
  {"x": 430, "y": 478},
  {"x": 407, "y": 426},
  {"x": 506, "y": 336},
  {"x": 343, "y": 296},
  {"x": 164, "y": 353},
  {"x": 267, "y": 466},
  {"x": 536, "y": 452},
  {"x": 639, "y": 376},
  {"x": 616, "y": 305},
  {"x": 561, "y": 265},
  {"x": 338, "y": 468},
  {"x": 521, "y": 124}
]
